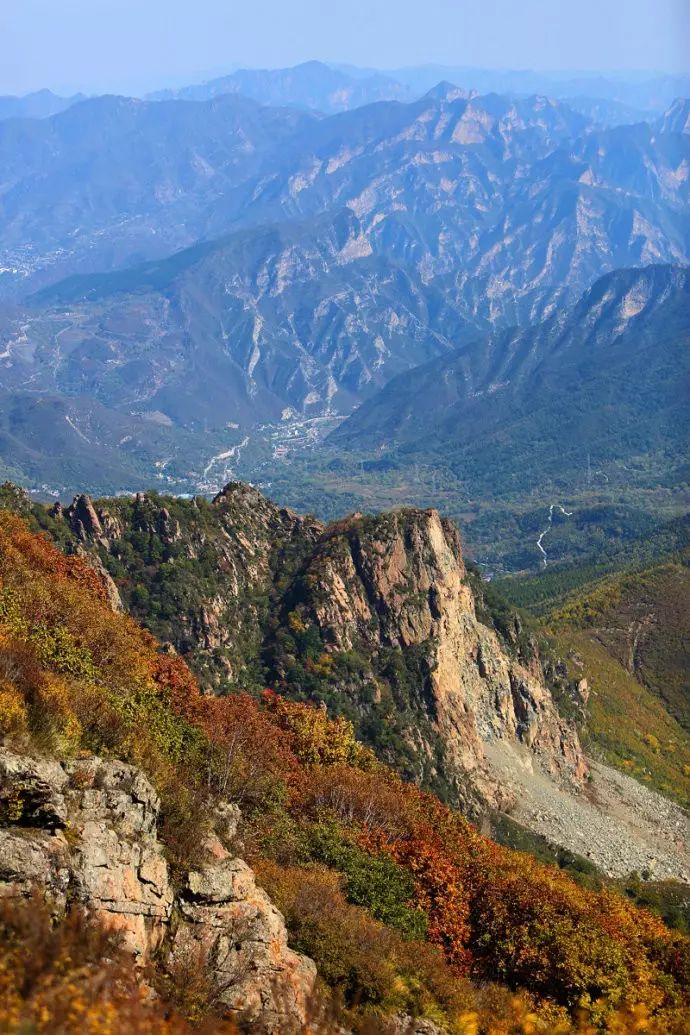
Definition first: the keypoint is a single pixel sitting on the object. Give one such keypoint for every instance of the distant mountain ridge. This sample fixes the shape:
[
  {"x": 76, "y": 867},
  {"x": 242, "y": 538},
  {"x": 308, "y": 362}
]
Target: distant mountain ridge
[
  {"x": 608, "y": 377},
  {"x": 39, "y": 105},
  {"x": 115, "y": 180},
  {"x": 230, "y": 264},
  {"x": 467, "y": 185},
  {"x": 650, "y": 92},
  {"x": 313, "y": 85},
  {"x": 331, "y": 87}
]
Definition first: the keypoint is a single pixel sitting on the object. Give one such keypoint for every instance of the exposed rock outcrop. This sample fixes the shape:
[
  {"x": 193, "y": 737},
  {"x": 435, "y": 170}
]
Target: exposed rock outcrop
[
  {"x": 247, "y": 541},
  {"x": 92, "y": 527},
  {"x": 84, "y": 832},
  {"x": 90, "y": 829},
  {"x": 390, "y": 593},
  {"x": 227, "y": 921},
  {"x": 398, "y": 582}
]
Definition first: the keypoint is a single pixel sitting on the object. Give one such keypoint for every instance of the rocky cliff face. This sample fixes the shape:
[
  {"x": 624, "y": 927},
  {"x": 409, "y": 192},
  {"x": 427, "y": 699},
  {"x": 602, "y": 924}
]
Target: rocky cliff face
[
  {"x": 394, "y": 588},
  {"x": 375, "y": 617},
  {"x": 84, "y": 832}
]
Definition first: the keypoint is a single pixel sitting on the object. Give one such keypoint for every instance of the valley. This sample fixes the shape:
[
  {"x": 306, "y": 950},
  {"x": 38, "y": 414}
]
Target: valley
[{"x": 402, "y": 261}]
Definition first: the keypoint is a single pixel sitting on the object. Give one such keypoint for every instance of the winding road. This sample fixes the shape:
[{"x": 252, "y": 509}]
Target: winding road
[{"x": 553, "y": 506}]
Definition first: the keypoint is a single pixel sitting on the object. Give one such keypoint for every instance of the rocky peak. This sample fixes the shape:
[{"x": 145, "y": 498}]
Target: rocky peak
[
  {"x": 448, "y": 92},
  {"x": 372, "y": 615},
  {"x": 91, "y": 527},
  {"x": 83, "y": 518},
  {"x": 238, "y": 502},
  {"x": 88, "y": 523},
  {"x": 395, "y": 586}
]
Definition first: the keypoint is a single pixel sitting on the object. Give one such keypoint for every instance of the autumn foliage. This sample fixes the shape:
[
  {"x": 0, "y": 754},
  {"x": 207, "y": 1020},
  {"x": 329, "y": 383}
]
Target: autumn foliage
[
  {"x": 506, "y": 944},
  {"x": 73, "y": 977}
]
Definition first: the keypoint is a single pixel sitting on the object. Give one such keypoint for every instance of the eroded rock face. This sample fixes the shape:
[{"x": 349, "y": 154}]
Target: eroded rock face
[
  {"x": 227, "y": 921},
  {"x": 88, "y": 829},
  {"x": 85, "y": 832},
  {"x": 119, "y": 870},
  {"x": 398, "y": 581}
]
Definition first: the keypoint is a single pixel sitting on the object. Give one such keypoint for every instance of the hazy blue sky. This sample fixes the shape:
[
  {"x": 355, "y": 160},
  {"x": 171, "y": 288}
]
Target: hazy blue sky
[{"x": 130, "y": 45}]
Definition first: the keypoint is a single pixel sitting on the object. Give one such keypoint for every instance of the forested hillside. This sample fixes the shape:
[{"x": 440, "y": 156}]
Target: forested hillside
[
  {"x": 621, "y": 620},
  {"x": 404, "y": 907}
]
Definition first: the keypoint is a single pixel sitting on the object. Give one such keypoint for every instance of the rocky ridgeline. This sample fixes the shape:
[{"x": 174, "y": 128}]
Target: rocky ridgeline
[
  {"x": 390, "y": 592},
  {"x": 252, "y": 543},
  {"x": 84, "y": 832}
]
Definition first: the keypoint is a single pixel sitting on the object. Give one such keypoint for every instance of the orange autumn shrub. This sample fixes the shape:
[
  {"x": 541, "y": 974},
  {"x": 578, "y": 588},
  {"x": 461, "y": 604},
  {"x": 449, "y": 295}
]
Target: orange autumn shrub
[
  {"x": 59, "y": 606},
  {"x": 365, "y": 962},
  {"x": 315, "y": 739},
  {"x": 253, "y": 762},
  {"x": 504, "y": 916},
  {"x": 59, "y": 979}
]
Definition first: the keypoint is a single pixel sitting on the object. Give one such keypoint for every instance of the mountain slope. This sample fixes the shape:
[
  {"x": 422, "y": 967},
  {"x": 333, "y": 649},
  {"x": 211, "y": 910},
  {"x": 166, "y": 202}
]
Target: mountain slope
[
  {"x": 295, "y": 317},
  {"x": 373, "y": 617},
  {"x": 621, "y": 621},
  {"x": 641, "y": 620},
  {"x": 609, "y": 375},
  {"x": 114, "y": 180},
  {"x": 629, "y": 635},
  {"x": 510, "y": 205},
  {"x": 377, "y": 620},
  {"x": 353, "y": 248},
  {"x": 408, "y": 910}
]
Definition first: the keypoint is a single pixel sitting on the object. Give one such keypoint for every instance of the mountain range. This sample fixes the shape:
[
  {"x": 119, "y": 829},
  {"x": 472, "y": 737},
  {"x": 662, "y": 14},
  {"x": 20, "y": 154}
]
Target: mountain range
[
  {"x": 113, "y": 181},
  {"x": 312, "y": 85},
  {"x": 608, "y": 378},
  {"x": 261, "y": 865},
  {"x": 409, "y": 757},
  {"x": 358, "y": 246},
  {"x": 610, "y": 100},
  {"x": 329, "y": 88},
  {"x": 196, "y": 288}
]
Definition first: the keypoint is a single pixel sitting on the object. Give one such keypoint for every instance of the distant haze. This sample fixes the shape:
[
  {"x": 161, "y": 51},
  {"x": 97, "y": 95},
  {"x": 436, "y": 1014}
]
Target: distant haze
[{"x": 131, "y": 46}]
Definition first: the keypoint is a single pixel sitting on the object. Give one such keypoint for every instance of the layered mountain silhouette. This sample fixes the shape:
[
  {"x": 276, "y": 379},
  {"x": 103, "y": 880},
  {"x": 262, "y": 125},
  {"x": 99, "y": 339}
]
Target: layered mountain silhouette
[
  {"x": 38, "y": 105},
  {"x": 525, "y": 198},
  {"x": 312, "y": 85}
]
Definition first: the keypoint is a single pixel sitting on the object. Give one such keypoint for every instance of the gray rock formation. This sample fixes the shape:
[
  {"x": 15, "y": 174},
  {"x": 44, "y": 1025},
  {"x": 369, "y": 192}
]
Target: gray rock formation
[
  {"x": 231, "y": 924},
  {"x": 85, "y": 832}
]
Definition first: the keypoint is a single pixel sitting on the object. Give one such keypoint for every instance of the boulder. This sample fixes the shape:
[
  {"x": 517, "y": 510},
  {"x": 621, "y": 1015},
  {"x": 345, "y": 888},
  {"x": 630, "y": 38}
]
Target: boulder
[{"x": 230, "y": 926}]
